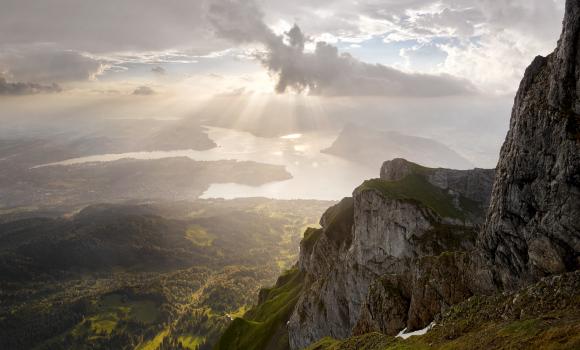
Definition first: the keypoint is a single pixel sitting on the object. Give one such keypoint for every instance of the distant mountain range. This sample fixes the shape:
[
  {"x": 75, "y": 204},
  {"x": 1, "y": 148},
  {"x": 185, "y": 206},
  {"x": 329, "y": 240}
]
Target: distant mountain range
[{"x": 371, "y": 147}]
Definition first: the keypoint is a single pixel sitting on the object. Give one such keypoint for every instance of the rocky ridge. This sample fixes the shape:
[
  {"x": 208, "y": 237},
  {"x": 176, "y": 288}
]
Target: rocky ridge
[
  {"x": 369, "y": 241},
  {"x": 532, "y": 229}
]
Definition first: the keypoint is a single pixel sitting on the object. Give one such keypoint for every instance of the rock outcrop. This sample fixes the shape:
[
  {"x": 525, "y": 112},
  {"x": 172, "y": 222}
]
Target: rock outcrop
[
  {"x": 533, "y": 225},
  {"x": 473, "y": 185},
  {"x": 373, "y": 240},
  {"x": 543, "y": 315}
]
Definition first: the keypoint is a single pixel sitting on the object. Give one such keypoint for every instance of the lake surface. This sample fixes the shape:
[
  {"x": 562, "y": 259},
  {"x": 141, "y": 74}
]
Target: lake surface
[{"x": 315, "y": 175}]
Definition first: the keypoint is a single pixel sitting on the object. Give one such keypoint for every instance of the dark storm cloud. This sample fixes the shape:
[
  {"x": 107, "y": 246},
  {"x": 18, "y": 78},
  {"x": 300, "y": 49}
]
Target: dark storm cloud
[{"x": 20, "y": 88}]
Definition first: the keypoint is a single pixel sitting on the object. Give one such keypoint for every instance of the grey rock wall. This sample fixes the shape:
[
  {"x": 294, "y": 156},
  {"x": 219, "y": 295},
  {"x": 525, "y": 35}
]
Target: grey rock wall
[{"x": 533, "y": 225}]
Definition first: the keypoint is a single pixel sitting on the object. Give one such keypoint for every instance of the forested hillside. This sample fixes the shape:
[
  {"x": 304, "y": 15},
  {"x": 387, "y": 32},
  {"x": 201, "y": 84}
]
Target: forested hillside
[{"x": 157, "y": 275}]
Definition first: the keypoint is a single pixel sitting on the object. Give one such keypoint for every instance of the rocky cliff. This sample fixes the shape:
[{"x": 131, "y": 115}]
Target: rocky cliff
[
  {"x": 544, "y": 315},
  {"x": 533, "y": 226},
  {"x": 365, "y": 241}
]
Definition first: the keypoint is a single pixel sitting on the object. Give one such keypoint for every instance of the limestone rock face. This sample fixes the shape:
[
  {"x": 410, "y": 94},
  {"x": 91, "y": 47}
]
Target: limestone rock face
[
  {"x": 386, "y": 306},
  {"x": 533, "y": 225},
  {"x": 475, "y": 184},
  {"x": 413, "y": 298},
  {"x": 437, "y": 283},
  {"x": 396, "y": 169},
  {"x": 364, "y": 240},
  {"x": 385, "y": 229}
]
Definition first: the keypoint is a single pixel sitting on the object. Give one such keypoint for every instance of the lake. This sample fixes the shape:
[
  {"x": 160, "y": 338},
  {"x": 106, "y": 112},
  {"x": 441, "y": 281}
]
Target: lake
[{"x": 315, "y": 175}]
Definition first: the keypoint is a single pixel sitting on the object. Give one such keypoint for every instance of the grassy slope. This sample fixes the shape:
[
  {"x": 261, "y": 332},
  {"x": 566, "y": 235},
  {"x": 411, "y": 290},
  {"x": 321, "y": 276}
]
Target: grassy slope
[
  {"x": 415, "y": 187},
  {"x": 311, "y": 236},
  {"x": 111, "y": 309},
  {"x": 257, "y": 329},
  {"x": 191, "y": 342},
  {"x": 543, "y": 316},
  {"x": 528, "y": 334}
]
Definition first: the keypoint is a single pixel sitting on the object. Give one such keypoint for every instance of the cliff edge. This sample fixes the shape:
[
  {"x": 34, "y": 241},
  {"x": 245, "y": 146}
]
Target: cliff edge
[
  {"x": 533, "y": 225},
  {"x": 357, "y": 265}
]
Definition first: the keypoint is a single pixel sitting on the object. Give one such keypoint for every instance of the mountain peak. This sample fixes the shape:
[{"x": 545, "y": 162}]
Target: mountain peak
[
  {"x": 532, "y": 229},
  {"x": 565, "y": 80},
  {"x": 397, "y": 169}
]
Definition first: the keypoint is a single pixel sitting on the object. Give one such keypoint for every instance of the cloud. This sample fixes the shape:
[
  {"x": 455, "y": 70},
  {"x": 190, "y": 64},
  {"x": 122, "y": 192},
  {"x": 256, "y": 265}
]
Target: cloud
[
  {"x": 48, "y": 64},
  {"x": 144, "y": 91},
  {"x": 324, "y": 71},
  {"x": 489, "y": 42},
  {"x": 107, "y": 25},
  {"x": 159, "y": 70},
  {"x": 20, "y": 88},
  {"x": 540, "y": 19},
  {"x": 236, "y": 92},
  {"x": 422, "y": 56},
  {"x": 422, "y": 18},
  {"x": 240, "y": 21},
  {"x": 150, "y": 31},
  {"x": 510, "y": 34}
]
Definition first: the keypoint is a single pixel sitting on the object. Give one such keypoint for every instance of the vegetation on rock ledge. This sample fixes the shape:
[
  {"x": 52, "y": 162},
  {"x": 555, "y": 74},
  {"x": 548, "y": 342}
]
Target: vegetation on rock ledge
[
  {"x": 264, "y": 326},
  {"x": 416, "y": 188},
  {"x": 545, "y": 315}
]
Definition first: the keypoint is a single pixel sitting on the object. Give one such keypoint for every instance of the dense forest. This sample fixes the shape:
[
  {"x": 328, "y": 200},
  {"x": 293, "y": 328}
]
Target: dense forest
[{"x": 143, "y": 276}]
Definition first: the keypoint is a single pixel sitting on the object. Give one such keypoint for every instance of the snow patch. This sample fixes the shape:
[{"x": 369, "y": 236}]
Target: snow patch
[{"x": 404, "y": 335}]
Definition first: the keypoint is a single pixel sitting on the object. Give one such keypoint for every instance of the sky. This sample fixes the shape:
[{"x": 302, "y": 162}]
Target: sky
[{"x": 346, "y": 56}]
